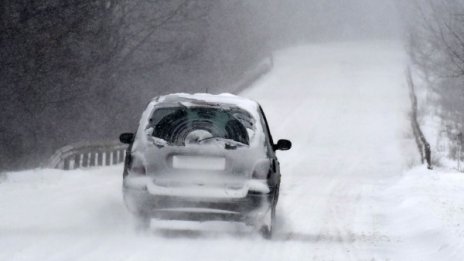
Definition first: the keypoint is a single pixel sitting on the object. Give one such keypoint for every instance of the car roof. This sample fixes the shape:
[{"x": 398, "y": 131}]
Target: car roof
[{"x": 217, "y": 100}]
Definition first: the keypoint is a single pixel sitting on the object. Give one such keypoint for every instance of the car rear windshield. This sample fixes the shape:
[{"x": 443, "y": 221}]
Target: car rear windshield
[{"x": 180, "y": 126}]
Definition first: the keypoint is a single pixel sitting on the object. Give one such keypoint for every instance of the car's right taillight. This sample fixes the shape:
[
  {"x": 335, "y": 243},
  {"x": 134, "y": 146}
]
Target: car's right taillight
[{"x": 261, "y": 169}]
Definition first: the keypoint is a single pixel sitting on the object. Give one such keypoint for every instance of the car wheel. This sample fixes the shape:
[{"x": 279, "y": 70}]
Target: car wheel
[
  {"x": 141, "y": 223},
  {"x": 267, "y": 226}
]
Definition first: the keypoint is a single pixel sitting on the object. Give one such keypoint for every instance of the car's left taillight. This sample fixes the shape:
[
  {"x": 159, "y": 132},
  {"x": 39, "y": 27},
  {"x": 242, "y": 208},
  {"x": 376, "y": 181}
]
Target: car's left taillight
[{"x": 138, "y": 168}]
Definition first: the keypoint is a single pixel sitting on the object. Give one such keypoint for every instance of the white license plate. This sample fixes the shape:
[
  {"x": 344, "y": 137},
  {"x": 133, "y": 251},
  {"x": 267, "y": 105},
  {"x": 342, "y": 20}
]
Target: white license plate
[{"x": 198, "y": 163}]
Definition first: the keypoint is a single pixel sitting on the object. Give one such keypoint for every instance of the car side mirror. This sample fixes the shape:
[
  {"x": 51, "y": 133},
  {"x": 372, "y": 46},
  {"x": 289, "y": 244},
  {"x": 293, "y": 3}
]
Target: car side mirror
[
  {"x": 126, "y": 138},
  {"x": 283, "y": 145}
]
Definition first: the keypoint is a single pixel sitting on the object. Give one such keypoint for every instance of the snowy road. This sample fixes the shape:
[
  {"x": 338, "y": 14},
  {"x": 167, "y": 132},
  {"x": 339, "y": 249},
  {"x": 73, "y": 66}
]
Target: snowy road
[{"x": 344, "y": 106}]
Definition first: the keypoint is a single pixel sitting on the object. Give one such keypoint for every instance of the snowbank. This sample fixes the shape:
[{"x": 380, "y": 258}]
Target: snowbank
[{"x": 426, "y": 213}]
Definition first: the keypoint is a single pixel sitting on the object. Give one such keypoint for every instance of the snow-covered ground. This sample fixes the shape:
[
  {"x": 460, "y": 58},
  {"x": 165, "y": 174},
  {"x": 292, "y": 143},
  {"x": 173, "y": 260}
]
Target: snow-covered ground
[{"x": 347, "y": 192}]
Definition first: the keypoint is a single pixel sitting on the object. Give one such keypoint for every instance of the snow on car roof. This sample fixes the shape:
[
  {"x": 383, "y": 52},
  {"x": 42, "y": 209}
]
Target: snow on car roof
[{"x": 212, "y": 99}]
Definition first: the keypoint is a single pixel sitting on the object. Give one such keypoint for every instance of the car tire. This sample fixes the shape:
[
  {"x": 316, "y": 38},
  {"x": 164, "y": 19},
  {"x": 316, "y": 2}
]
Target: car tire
[
  {"x": 267, "y": 228},
  {"x": 141, "y": 223}
]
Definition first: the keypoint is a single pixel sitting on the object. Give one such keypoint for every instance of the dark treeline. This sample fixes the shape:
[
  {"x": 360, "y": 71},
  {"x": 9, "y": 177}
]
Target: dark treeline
[{"x": 80, "y": 70}]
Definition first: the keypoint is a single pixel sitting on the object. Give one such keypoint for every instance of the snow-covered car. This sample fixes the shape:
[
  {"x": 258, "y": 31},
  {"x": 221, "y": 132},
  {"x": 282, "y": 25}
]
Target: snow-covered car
[{"x": 203, "y": 157}]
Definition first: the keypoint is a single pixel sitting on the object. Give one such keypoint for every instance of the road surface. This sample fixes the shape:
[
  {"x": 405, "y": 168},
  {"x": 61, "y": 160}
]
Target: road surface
[{"x": 345, "y": 108}]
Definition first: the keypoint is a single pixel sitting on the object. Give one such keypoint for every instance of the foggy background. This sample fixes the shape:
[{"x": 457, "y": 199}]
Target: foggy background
[{"x": 83, "y": 70}]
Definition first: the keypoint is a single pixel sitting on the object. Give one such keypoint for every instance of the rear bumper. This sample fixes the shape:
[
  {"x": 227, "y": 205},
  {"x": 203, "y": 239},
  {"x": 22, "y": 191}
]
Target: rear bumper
[{"x": 247, "y": 209}]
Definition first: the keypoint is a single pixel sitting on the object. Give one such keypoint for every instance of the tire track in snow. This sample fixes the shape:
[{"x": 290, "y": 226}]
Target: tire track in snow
[{"x": 341, "y": 104}]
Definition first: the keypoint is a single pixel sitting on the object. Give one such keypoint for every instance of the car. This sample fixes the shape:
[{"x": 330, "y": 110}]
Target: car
[{"x": 202, "y": 157}]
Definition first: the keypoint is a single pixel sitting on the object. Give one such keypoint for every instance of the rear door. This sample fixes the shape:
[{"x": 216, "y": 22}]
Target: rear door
[{"x": 274, "y": 178}]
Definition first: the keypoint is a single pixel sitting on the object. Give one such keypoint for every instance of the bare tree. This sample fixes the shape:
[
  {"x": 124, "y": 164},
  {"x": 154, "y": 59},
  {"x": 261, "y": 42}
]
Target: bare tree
[{"x": 436, "y": 45}]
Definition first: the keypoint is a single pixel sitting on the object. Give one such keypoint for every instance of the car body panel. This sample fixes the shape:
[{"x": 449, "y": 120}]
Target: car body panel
[{"x": 208, "y": 180}]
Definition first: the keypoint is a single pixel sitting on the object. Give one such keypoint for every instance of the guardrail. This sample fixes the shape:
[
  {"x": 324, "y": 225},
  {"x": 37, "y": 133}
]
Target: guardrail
[
  {"x": 421, "y": 141},
  {"x": 251, "y": 76},
  {"x": 84, "y": 155}
]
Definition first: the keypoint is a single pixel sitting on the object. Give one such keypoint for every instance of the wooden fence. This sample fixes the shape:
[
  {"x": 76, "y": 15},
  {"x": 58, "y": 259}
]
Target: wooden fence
[{"x": 422, "y": 143}]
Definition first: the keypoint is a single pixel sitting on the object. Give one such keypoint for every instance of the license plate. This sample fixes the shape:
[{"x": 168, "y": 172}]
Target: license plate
[{"x": 198, "y": 163}]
